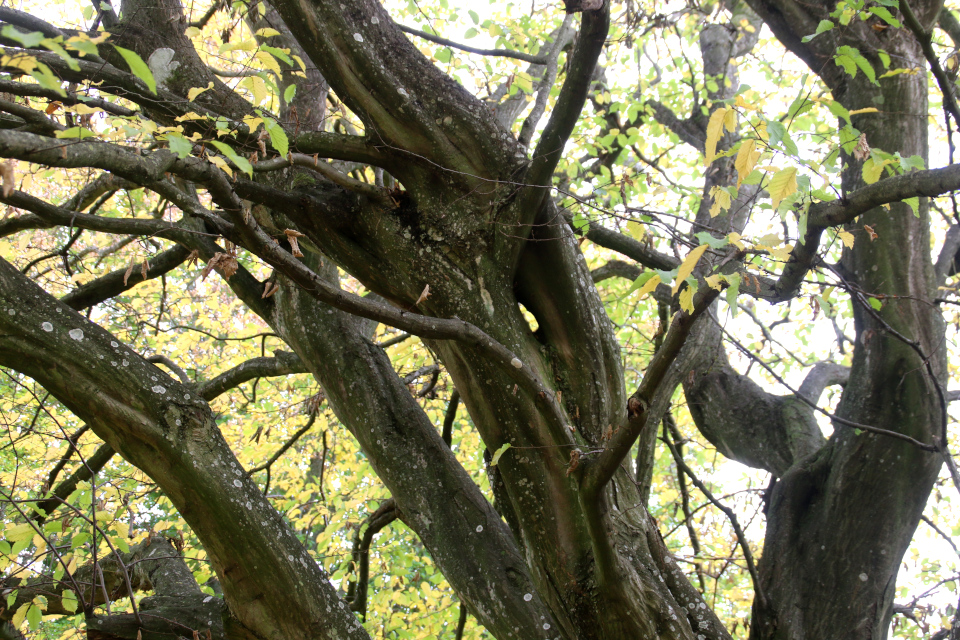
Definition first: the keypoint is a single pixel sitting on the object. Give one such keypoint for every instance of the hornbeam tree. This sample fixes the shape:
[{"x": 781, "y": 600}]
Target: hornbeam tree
[{"x": 362, "y": 186}]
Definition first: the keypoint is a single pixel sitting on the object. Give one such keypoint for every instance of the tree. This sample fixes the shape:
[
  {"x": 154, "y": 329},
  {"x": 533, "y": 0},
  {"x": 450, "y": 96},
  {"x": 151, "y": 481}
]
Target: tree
[{"x": 429, "y": 211}]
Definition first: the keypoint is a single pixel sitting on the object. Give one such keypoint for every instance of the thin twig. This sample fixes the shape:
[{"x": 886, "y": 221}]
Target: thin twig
[{"x": 741, "y": 537}]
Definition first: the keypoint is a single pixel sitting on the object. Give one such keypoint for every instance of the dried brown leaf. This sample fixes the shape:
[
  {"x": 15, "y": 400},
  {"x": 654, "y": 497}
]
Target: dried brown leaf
[
  {"x": 292, "y": 236},
  {"x": 423, "y": 296},
  {"x": 144, "y": 268},
  {"x": 9, "y": 178},
  {"x": 574, "y": 461},
  {"x": 225, "y": 263},
  {"x": 269, "y": 289},
  {"x": 126, "y": 274},
  {"x": 873, "y": 234},
  {"x": 862, "y": 152}
]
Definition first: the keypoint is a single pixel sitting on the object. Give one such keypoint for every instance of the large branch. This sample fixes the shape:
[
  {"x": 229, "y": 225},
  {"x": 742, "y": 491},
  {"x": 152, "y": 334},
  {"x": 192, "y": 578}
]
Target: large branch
[
  {"x": 822, "y": 215},
  {"x": 573, "y": 95},
  {"x": 271, "y": 584}
]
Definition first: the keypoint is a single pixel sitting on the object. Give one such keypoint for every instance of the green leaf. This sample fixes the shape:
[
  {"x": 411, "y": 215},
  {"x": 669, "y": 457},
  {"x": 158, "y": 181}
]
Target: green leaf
[
  {"x": 733, "y": 291},
  {"x": 705, "y": 237},
  {"x": 19, "y": 532},
  {"x": 499, "y": 452},
  {"x": 875, "y": 303},
  {"x": 242, "y": 163},
  {"x": 69, "y": 601},
  {"x": 138, "y": 67},
  {"x": 867, "y": 68},
  {"x": 580, "y": 222},
  {"x": 79, "y": 133},
  {"x": 776, "y": 132},
  {"x": 60, "y": 51},
  {"x": 848, "y": 64},
  {"x": 12, "y": 597},
  {"x": 915, "y": 205},
  {"x": 53, "y": 527},
  {"x": 46, "y": 79},
  {"x": 474, "y": 16},
  {"x": 34, "y": 617},
  {"x": 913, "y": 162},
  {"x": 29, "y": 40},
  {"x": 824, "y": 26},
  {"x": 278, "y": 137},
  {"x": 471, "y": 33},
  {"x": 885, "y": 15},
  {"x": 289, "y": 92},
  {"x": 839, "y": 110},
  {"x": 179, "y": 145}
]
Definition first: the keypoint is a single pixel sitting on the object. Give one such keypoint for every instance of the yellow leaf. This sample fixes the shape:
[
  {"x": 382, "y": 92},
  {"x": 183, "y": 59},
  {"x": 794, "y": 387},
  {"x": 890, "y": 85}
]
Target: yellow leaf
[
  {"x": 783, "y": 253},
  {"x": 122, "y": 529},
  {"x": 782, "y": 185},
  {"x": 715, "y": 281},
  {"x": 730, "y": 120},
  {"x": 721, "y": 201},
  {"x": 636, "y": 231},
  {"x": 267, "y": 32},
  {"x": 864, "y": 110},
  {"x": 19, "y": 532},
  {"x": 193, "y": 93},
  {"x": 257, "y": 87},
  {"x": 686, "y": 268},
  {"x": 740, "y": 102},
  {"x": 649, "y": 285},
  {"x": 252, "y": 122},
  {"x": 746, "y": 160},
  {"x": 19, "y": 616},
  {"x": 714, "y": 131},
  {"x": 220, "y": 162},
  {"x": 191, "y": 32},
  {"x": 269, "y": 62},
  {"x": 872, "y": 170},
  {"x": 734, "y": 239},
  {"x": 299, "y": 61},
  {"x": 847, "y": 238},
  {"x": 686, "y": 299}
]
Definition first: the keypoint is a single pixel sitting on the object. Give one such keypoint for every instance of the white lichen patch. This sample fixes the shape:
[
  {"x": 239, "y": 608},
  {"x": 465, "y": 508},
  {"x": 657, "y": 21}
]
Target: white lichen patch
[
  {"x": 516, "y": 363},
  {"x": 76, "y": 334},
  {"x": 479, "y": 528},
  {"x": 404, "y": 93},
  {"x": 158, "y": 389},
  {"x": 46, "y": 326},
  {"x": 358, "y": 37}
]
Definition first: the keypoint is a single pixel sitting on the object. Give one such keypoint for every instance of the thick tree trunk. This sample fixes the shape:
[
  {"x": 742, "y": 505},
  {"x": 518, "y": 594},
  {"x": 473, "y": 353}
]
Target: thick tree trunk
[{"x": 840, "y": 520}]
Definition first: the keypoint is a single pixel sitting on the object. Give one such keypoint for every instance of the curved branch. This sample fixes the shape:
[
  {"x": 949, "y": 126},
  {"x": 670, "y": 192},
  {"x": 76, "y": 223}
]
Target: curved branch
[
  {"x": 503, "y": 53},
  {"x": 283, "y": 364},
  {"x": 929, "y": 183},
  {"x": 116, "y": 282},
  {"x": 573, "y": 94}
]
